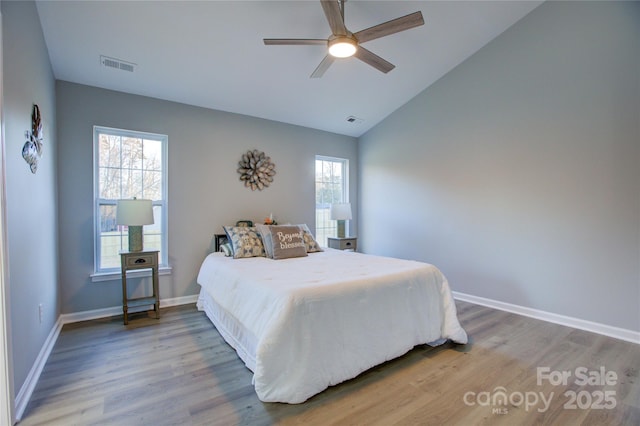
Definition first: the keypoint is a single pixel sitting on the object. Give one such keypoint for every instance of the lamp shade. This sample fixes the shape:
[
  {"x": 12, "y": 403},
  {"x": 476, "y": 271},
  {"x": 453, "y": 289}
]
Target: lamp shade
[
  {"x": 134, "y": 212},
  {"x": 341, "y": 211}
]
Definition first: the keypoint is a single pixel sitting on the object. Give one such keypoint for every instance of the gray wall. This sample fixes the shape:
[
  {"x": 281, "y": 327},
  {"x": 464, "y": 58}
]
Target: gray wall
[
  {"x": 204, "y": 191},
  {"x": 518, "y": 173},
  {"x": 31, "y": 198}
]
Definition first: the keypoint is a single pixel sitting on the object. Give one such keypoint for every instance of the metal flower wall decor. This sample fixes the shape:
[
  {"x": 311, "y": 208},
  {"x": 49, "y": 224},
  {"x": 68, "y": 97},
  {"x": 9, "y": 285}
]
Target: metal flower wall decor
[
  {"x": 256, "y": 170},
  {"x": 32, "y": 149}
]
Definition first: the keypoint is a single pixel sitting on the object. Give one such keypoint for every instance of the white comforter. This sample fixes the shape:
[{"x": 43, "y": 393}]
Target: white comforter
[{"x": 323, "y": 319}]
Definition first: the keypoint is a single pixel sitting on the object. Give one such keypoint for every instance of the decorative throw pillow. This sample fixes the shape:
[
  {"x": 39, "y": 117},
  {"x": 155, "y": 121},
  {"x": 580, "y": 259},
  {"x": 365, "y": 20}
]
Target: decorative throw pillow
[
  {"x": 287, "y": 242},
  {"x": 310, "y": 242},
  {"x": 265, "y": 233},
  {"x": 226, "y": 249},
  {"x": 245, "y": 240}
]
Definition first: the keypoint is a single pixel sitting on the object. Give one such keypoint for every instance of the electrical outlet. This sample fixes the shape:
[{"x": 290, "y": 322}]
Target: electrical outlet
[{"x": 40, "y": 311}]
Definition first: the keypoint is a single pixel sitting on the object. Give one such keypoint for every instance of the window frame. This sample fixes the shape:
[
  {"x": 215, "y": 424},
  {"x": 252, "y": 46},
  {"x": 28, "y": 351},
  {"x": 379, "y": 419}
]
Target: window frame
[
  {"x": 102, "y": 274},
  {"x": 345, "y": 190}
]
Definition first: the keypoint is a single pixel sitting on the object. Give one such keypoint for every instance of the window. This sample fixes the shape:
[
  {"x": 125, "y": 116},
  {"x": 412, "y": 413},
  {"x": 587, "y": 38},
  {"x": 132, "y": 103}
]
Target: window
[
  {"x": 128, "y": 164},
  {"x": 331, "y": 187}
]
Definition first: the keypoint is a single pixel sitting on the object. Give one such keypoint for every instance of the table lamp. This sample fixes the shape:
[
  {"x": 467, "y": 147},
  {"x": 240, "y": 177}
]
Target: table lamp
[
  {"x": 134, "y": 214},
  {"x": 341, "y": 212}
]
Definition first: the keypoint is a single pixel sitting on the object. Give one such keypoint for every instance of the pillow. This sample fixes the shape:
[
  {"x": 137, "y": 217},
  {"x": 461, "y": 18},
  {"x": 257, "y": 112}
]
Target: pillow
[
  {"x": 287, "y": 242},
  {"x": 265, "y": 233},
  {"x": 310, "y": 242},
  {"x": 226, "y": 249},
  {"x": 245, "y": 241}
]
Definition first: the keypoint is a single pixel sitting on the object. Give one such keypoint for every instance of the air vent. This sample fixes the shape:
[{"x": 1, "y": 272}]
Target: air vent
[
  {"x": 117, "y": 64},
  {"x": 354, "y": 120}
]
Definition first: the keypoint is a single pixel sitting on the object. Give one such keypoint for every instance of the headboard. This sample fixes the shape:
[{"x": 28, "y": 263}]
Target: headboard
[{"x": 219, "y": 240}]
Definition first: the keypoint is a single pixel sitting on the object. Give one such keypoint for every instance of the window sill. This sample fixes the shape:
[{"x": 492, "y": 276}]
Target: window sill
[{"x": 117, "y": 275}]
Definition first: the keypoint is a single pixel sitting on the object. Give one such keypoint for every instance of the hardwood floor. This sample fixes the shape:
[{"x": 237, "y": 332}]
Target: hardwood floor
[{"x": 179, "y": 371}]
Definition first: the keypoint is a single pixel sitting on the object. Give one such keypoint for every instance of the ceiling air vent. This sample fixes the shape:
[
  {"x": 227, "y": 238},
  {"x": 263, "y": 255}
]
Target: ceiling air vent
[
  {"x": 354, "y": 120},
  {"x": 117, "y": 64}
]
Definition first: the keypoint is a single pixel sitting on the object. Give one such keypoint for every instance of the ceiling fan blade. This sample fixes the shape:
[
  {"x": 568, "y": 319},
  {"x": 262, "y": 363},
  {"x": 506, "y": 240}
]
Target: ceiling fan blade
[
  {"x": 390, "y": 27},
  {"x": 334, "y": 17},
  {"x": 294, "y": 41},
  {"x": 374, "y": 60},
  {"x": 324, "y": 65}
]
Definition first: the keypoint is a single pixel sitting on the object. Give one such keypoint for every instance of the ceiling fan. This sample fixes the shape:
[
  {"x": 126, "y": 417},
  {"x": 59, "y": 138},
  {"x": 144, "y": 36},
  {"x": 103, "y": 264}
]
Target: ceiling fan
[{"x": 343, "y": 43}]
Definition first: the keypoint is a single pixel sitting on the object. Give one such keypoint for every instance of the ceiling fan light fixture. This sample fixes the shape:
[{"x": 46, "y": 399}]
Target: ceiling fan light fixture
[
  {"x": 342, "y": 43},
  {"x": 342, "y": 47}
]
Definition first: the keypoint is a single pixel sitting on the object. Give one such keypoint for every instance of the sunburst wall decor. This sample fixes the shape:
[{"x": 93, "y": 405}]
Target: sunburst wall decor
[{"x": 256, "y": 170}]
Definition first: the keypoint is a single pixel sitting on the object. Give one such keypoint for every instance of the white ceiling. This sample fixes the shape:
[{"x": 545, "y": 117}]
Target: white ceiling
[{"x": 210, "y": 53}]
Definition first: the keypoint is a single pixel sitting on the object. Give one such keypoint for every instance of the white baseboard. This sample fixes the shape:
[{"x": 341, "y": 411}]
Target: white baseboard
[
  {"x": 117, "y": 310},
  {"x": 607, "y": 330},
  {"x": 184, "y": 300},
  {"x": 23, "y": 397}
]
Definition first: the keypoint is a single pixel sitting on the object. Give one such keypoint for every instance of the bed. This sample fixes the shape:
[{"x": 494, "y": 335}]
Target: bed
[{"x": 302, "y": 324}]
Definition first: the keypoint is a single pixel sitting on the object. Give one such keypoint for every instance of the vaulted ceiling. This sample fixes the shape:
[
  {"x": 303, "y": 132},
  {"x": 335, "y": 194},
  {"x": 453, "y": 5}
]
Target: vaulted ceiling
[{"x": 211, "y": 53}]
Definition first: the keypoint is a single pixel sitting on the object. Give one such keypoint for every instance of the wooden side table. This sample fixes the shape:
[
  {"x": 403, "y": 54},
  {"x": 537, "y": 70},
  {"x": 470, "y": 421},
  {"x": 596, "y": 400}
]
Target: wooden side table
[
  {"x": 346, "y": 243},
  {"x": 132, "y": 261}
]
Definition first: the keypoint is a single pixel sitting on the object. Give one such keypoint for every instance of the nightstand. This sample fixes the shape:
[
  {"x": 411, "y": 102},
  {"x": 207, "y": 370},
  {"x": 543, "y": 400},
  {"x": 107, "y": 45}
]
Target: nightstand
[
  {"x": 346, "y": 243},
  {"x": 132, "y": 261}
]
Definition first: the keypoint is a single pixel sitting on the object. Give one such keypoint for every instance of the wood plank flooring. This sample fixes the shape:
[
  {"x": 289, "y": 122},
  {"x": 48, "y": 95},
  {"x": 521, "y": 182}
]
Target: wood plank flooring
[{"x": 179, "y": 371}]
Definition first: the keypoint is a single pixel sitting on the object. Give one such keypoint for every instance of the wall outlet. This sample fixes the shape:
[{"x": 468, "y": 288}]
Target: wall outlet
[{"x": 40, "y": 311}]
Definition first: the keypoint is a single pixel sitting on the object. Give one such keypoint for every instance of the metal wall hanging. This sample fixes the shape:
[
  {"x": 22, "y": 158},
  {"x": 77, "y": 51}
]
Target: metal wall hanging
[
  {"x": 256, "y": 170},
  {"x": 32, "y": 149}
]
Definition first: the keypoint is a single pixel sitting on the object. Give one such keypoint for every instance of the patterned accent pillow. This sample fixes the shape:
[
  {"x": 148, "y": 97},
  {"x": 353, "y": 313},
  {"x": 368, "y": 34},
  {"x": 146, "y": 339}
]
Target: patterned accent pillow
[
  {"x": 310, "y": 242},
  {"x": 287, "y": 242},
  {"x": 245, "y": 240}
]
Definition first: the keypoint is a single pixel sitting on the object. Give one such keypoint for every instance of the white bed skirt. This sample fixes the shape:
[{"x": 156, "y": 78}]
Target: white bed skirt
[{"x": 231, "y": 330}]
